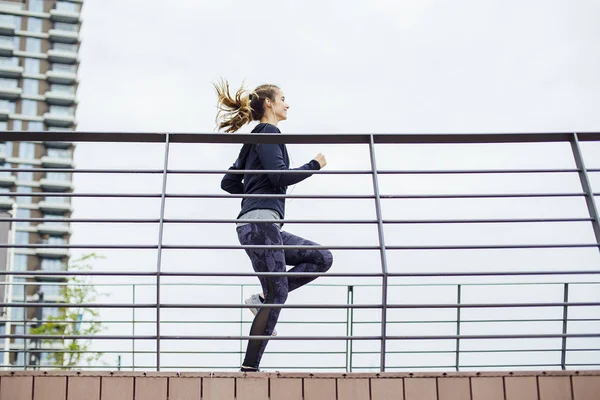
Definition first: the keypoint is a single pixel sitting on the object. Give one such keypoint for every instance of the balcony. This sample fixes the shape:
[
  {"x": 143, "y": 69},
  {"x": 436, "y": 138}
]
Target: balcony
[
  {"x": 61, "y": 77},
  {"x": 71, "y": 17},
  {"x": 57, "y": 35},
  {"x": 52, "y": 207},
  {"x": 6, "y": 203},
  {"x": 4, "y": 114},
  {"x": 62, "y": 56},
  {"x": 59, "y": 120},
  {"x": 10, "y": 93},
  {"x": 57, "y": 162},
  {"x": 49, "y": 228},
  {"x": 10, "y": 71},
  {"x": 6, "y": 49},
  {"x": 51, "y": 185},
  {"x": 60, "y": 98},
  {"x": 7, "y": 29},
  {"x": 7, "y": 180},
  {"x": 59, "y": 145},
  {"x": 52, "y": 252}
]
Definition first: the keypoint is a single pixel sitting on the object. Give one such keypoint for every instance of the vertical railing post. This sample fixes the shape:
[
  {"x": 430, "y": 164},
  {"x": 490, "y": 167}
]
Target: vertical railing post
[
  {"x": 586, "y": 186},
  {"x": 159, "y": 255},
  {"x": 132, "y": 328},
  {"x": 384, "y": 282},
  {"x": 563, "y": 352},
  {"x": 241, "y": 324},
  {"x": 25, "y": 363},
  {"x": 458, "y": 300},
  {"x": 349, "y": 327}
]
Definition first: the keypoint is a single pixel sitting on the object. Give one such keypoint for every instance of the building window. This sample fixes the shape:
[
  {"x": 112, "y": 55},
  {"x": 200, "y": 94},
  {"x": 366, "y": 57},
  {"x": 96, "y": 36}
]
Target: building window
[
  {"x": 58, "y": 176},
  {"x": 50, "y": 312},
  {"x": 17, "y": 125},
  {"x": 51, "y": 290},
  {"x": 63, "y": 221},
  {"x": 20, "y": 262},
  {"x": 62, "y": 110},
  {"x": 27, "y": 150},
  {"x": 23, "y": 213},
  {"x": 8, "y": 105},
  {"x": 31, "y": 86},
  {"x": 29, "y": 107},
  {"x": 8, "y": 146},
  {"x": 63, "y": 68},
  {"x": 24, "y": 190},
  {"x": 62, "y": 26},
  {"x": 32, "y": 66},
  {"x": 12, "y": 61},
  {"x": 21, "y": 237},
  {"x": 26, "y": 176},
  {"x": 6, "y": 41},
  {"x": 57, "y": 199},
  {"x": 36, "y": 5},
  {"x": 70, "y": 89},
  {"x": 6, "y": 19},
  {"x": 34, "y": 24},
  {"x": 59, "y": 153},
  {"x": 65, "y": 47},
  {"x": 36, "y": 126},
  {"x": 67, "y": 6},
  {"x": 33, "y": 45},
  {"x": 51, "y": 264},
  {"x": 8, "y": 83},
  {"x": 53, "y": 240}
]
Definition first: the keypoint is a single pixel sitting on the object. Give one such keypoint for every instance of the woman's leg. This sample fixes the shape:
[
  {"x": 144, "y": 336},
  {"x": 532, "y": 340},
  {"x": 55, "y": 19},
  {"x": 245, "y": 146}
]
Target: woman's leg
[
  {"x": 275, "y": 289},
  {"x": 304, "y": 260}
]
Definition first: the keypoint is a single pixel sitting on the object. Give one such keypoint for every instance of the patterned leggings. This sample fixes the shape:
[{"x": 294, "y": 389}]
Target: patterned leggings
[{"x": 275, "y": 289}]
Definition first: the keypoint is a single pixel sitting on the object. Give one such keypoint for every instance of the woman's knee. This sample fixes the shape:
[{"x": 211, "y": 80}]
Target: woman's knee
[{"x": 327, "y": 259}]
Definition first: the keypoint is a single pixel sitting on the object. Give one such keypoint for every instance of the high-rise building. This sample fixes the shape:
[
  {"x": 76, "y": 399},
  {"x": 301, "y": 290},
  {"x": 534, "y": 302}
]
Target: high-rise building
[{"x": 39, "y": 43}]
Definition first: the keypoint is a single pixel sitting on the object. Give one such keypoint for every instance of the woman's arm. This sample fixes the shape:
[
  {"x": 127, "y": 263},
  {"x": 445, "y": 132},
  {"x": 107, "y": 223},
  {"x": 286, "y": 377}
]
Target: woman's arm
[
  {"x": 271, "y": 157},
  {"x": 232, "y": 183}
]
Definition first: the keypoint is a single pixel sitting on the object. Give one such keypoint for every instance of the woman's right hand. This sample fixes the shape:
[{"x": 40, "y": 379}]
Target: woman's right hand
[{"x": 320, "y": 158}]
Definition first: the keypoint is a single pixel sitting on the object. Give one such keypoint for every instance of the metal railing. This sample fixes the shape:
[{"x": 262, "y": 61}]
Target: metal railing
[{"x": 384, "y": 308}]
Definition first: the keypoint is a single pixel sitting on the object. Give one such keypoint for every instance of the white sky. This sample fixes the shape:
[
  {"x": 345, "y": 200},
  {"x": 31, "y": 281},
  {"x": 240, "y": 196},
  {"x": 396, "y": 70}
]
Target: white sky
[{"x": 345, "y": 67}]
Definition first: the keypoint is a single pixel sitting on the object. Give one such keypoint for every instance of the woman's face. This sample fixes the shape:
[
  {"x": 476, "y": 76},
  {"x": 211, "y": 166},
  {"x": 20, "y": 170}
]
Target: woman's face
[{"x": 279, "y": 106}]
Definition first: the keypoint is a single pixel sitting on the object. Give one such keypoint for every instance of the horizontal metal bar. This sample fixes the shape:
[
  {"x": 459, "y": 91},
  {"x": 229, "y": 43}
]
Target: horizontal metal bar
[
  {"x": 303, "y": 338},
  {"x": 151, "y": 137},
  {"x": 301, "y": 306},
  {"x": 295, "y": 247},
  {"x": 304, "y": 274},
  {"x": 299, "y": 221},
  {"x": 321, "y": 172},
  {"x": 296, "y": 196}
]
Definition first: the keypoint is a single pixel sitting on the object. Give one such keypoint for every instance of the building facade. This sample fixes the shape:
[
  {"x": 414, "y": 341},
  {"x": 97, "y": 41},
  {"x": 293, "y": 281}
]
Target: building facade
[{"x": 39, "y": 44}]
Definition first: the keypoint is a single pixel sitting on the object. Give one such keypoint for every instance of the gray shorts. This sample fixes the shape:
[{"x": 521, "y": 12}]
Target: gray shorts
[{"x": 261, "y": 213}]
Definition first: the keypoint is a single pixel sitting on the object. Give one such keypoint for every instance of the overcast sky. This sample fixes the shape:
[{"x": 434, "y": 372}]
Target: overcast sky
[{"x": 378, "y": 66}]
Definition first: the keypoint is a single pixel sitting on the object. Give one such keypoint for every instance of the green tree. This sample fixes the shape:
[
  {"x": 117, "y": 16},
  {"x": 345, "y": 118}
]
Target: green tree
[{"x": 71, "y": 353}]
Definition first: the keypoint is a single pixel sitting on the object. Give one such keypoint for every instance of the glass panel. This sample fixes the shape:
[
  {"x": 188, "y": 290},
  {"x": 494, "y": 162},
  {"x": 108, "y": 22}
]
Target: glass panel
[
  {"x": 62, "y": 110},
  {"x": 36, "y": 126},
  {"x": 58, "y": 199},
  {"x": 6, "y": 19},
  {"x": 53, "y": 240},
  {"x": 67, "y": 6},
  {"x": 36, "y": 5},
  {"x": 34, "y": 24},
  {"x": 8, "y": 105},
  {"x": 58, "y": 176},
  {"x": 33, "y": 45},
  {"x": 20, "y": 262},
  {"x": 27, "y": 150},
  {"x": 56, "y": 216},
  {"x": 59, "y": 153},
  {"x": 65, "y": 47},
  {"x": 21, "y": 237},
  {"x": 62, "y": 88},
  {"x": 14, "y": 61},
  {"x": 17, "y": 125},
  {"x": 23, "y": 213},
  {"x": 50, "y": 264},
  {"x": 63, "y": 68},
  {"x": 32, "y": 65},
  {"x": 49, "y": 312},
  {"x": 61, "y": 26},
  {"x": 50, "y": 290},
  {"x": 25, "y": 189},
  {"x": 29, "y": 107},
  {"x": 6, "y": 41},
  {"x": 31, "y": 86},
  {"x": 8, "y": 83}
]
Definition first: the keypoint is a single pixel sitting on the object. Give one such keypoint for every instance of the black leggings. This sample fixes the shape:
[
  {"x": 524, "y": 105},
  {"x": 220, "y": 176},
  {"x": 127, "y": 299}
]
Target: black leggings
[{"x": 275, "y": 289}]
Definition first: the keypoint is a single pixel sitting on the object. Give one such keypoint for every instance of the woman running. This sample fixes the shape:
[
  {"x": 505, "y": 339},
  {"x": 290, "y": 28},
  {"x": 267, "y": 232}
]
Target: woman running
[{"x": 267, "y": 105}]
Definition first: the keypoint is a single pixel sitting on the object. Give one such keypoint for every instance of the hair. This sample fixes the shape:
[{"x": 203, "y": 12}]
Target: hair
[{"x": 243, "y": 107}]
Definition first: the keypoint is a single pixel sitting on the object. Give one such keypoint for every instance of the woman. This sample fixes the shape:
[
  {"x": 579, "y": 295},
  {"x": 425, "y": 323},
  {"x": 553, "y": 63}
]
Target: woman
[{"x": 267, "y": 105}]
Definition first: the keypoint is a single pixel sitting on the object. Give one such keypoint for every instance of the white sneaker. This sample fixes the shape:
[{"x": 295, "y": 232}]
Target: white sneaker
[{"x": 255, "y": 300}]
